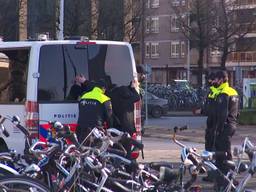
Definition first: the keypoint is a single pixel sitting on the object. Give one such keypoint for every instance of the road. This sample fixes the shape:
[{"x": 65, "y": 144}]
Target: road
[{"x": 170, "y": 122}]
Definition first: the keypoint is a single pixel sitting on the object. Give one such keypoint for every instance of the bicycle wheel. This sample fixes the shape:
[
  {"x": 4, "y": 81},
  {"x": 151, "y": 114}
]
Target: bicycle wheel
[{"x": 21, "y": 184}]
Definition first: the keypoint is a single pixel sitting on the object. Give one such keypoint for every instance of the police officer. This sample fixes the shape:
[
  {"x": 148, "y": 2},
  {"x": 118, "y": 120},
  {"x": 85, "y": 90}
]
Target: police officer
[
  {"x": 95, "y": 109},
  {"x": 210, "y": 112},
  {"x": 226, "y": 119}
]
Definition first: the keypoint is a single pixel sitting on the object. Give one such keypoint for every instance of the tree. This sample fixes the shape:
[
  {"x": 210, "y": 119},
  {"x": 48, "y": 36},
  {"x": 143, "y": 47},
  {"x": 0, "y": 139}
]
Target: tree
[
  {"x": 233, "y": 24},
  {"x": 77, "y": 18},
  {"x": 116, "y": 19},
  {"x": 196, "y": 22},
  {"x": 9, "y": 19},
  {"x": 23, "y": 19}
]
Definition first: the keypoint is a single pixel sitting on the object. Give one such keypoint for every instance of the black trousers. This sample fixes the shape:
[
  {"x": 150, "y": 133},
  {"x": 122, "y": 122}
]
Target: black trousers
[
  {"x": 209, "y": 139},
  {"x": 223, "y": 144}
]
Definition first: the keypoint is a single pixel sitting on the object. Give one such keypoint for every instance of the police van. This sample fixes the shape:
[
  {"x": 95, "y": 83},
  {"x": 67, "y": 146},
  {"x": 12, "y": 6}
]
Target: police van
[{"x": 36, "y": 77}]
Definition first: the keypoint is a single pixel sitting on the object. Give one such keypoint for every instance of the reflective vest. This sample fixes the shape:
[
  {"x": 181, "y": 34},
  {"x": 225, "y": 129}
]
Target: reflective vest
[
  {"x": 214, "y": 92},
  {"x": 96, "y": 94},
  {"x": 226, "y": 89}
]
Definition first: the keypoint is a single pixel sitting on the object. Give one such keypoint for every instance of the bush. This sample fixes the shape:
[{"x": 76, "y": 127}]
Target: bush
[{"x": 247, "y": 117}]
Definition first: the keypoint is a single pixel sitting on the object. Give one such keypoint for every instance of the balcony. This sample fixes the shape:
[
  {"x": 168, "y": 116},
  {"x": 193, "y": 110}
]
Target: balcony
[
  {"x": 242, "y": 58},
  {"x": 247, "y": 27},
  {"x": 245, "y": 4}
]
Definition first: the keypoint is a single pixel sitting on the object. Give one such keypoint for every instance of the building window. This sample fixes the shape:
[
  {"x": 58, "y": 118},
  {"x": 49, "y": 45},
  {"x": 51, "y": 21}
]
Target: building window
[
  {"x": 148, "y": 4},
  {"x": 175, "y": 49},
  {"x": 148, "y": 24},
  {"x": 182, "y": 49},
  {"x": 147, "y": 50},
  {"x": 183, "y": 2},
  {"x": 154, "y": 50},
  {"x": 174, "y": 24},
  {"x": 155, "y": 4},
  {"x": 177, "y": 3},
  {"x": 155, "y": 24},
  {"x": 215, "y": 52}
]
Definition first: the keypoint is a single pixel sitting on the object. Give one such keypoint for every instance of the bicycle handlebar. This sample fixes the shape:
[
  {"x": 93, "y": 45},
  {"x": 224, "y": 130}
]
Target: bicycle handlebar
[{"x": 51, "y": 148}]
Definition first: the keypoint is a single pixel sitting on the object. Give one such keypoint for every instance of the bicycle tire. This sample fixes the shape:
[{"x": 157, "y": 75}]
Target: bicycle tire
[{"x": 16, "y": 183}]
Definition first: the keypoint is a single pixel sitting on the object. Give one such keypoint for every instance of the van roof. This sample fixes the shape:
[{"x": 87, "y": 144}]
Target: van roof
[{"x": 17, "y": 44}]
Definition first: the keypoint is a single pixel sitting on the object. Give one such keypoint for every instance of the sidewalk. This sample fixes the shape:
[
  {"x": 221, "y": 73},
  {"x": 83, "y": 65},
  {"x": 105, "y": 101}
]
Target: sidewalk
[
  {"x": 197, "y": 134},
  {"x": 179, "y": 113}
]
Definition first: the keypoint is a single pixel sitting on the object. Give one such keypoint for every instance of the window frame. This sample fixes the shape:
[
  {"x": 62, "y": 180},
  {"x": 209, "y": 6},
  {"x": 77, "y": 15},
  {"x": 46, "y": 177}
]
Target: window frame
[
  {"x": 155, "y": 4},
  {"x": 182, "y": 49},
  {"x": 174, "y": 24},
  {"x": 176, "y": 53},
  {"x": 147, "y": 50},
  {"x": 148, "y": 25},
  {"x": 155, "y": 50},
  {"x": 155, "y": 24}
]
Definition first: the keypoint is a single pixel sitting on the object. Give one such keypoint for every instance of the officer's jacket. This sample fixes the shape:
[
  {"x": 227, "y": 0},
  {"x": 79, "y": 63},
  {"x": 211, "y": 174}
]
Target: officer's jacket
[
  {"x": 94, "y": 109},
  {"x": 210, "y": 107},
  {"x": 227, "y": 108}
]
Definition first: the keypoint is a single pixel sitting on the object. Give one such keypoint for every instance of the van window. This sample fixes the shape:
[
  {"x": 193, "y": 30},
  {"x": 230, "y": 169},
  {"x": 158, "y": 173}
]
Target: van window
[
  {"x": 58, "y": 66},
  {"x": 13, "y": 75},
  {"x": 118, "y": 64}
]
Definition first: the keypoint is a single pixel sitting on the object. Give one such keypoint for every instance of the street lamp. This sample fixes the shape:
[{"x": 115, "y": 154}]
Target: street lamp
[
  {"x": 60, "y": 34},
  {"x": 188, "y": 51}
]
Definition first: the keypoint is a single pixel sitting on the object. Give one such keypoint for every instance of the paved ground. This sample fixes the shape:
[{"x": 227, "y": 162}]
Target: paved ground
[{"x": 160, "y": 147}]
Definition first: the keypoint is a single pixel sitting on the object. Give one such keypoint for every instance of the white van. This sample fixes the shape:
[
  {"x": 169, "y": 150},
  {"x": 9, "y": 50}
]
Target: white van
[{"x": 36, "y": 77}]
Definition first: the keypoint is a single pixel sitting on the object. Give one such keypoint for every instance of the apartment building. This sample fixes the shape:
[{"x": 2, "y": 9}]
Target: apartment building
[
  {"x": 165, "y": 45},
  {"x": 242, "y": 63}
]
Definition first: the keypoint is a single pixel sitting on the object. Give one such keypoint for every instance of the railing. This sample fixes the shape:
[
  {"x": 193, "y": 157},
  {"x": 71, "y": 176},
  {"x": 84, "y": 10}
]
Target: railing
[
  {"x": 247, "y": 27},
  {"x": 245, "y": 2},
  {"x": 249, "y": 56}
]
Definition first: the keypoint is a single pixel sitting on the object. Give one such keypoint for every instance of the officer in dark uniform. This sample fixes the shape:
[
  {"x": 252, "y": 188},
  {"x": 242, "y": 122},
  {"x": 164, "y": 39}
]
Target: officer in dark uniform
[
  {"x": 95, "y": 109},
  {"x": 226, "y": 119},
  {"x": 210, "y": 112}
]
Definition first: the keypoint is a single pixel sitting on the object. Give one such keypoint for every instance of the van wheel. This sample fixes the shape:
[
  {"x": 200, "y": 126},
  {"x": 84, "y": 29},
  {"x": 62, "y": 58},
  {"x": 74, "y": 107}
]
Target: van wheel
[{"x": 156, "y": 112}]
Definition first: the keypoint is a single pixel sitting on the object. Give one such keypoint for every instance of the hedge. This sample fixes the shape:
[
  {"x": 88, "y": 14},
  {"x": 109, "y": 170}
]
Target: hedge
[{"x": 247, "y": 117}]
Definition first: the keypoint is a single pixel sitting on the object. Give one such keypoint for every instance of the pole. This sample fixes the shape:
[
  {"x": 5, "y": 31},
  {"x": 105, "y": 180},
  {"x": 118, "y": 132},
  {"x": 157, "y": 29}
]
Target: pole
[
  {"x": 142, "y": 33},
  {"x": 188, "y": 54},
  {"x": 146, "y": 98},
  {"x": 61, "y": 19}
]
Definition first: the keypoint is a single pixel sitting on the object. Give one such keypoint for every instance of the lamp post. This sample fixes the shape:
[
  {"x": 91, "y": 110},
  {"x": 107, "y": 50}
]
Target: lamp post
[
  {"x": 188, "y": 52},
  {"x": 60, "y": 34}
]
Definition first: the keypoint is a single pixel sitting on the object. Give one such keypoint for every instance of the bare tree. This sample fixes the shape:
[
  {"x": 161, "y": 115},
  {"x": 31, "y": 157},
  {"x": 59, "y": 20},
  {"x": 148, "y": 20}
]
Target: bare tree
[
  {"x": 195, "y": 22},
  {"x": 9, "y": 19},
  {"x": 232, "y": 26},
  {"x": 116, "y": 19},
  {"x": 77, "y": 18},
  {"x": 23, "y": 19}
]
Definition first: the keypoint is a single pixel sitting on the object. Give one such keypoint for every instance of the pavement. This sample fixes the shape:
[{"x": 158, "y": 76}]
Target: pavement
[
  {"x": 160, "y": 147},
  {"x": 163, "y": 128}
]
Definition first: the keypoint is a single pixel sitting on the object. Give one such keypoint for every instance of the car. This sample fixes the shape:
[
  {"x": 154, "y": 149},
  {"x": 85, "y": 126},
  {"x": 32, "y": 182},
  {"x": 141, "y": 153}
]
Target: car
[{"x": 156, "y": 106}]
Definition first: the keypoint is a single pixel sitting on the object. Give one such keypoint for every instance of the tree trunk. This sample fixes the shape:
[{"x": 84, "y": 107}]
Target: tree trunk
[
  {"x": 200, "y": 66},
  {"x": 23, "y": 13},
  {"x": 94, "y": 19},
  {"x": 224, "y": 58}
]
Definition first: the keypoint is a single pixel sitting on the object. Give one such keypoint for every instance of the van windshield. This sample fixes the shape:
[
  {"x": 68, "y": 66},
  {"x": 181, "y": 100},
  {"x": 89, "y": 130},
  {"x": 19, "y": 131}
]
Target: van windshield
[{"x": 59, "y": 65}]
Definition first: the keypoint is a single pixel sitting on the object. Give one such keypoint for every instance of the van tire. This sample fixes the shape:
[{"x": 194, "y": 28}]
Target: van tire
[{"x": 156, "y": 112}]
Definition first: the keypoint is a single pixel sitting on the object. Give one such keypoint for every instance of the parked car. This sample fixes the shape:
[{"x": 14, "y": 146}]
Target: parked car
[{"x": 156, "y": 106}]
